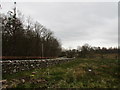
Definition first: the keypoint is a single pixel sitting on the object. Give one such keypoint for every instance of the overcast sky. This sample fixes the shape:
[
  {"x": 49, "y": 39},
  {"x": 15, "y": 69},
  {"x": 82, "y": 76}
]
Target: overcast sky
[{"x": 75, "y": 23}]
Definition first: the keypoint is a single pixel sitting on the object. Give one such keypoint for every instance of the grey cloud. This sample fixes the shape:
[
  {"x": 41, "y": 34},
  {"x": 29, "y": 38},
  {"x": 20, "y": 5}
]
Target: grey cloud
[{"x": 77, "y": 22}]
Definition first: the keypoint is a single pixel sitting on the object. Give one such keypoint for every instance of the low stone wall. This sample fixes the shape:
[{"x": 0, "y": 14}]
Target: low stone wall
[{"x": 10, "y": 67}]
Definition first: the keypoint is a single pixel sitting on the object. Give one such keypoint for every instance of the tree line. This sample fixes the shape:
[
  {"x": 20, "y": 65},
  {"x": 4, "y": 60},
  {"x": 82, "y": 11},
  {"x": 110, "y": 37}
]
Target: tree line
[
  {"x": 27, "y": 38},
  {"x": 87, "y": 51}
]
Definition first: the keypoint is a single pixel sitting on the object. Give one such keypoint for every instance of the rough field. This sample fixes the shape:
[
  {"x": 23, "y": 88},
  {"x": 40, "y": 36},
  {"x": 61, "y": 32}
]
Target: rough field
[{"x": 80, "y": 73}]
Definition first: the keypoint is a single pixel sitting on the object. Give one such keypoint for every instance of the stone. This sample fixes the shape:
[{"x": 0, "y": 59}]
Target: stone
[
  {"x": 3, "y": 81},
  {"x": 14, "y": 70},
  {"x": 23, "y": 80}
]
